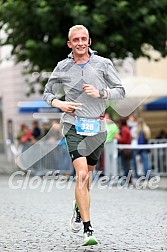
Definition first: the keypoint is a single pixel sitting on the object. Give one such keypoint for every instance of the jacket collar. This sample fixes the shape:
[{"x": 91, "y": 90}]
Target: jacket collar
[{"x": 91, "y": 52}]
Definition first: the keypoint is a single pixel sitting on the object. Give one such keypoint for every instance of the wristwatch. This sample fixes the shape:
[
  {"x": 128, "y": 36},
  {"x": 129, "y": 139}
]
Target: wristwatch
[{"x": 101, "y": 93}]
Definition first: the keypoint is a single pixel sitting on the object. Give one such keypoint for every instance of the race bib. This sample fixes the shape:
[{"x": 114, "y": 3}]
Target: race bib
[{"x": 87, "y": 126}]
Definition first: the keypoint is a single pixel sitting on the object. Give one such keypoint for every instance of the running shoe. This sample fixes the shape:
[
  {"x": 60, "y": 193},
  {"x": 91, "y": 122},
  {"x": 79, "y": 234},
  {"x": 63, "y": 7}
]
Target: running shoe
[
  {"x": 89, "y": 238},
  {"x": 76, "y": 220}
]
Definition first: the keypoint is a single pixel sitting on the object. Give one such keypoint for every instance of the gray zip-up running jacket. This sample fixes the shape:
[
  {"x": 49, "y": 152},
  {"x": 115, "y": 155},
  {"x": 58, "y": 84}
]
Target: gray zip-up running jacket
[{"x": 67, "y": 79}]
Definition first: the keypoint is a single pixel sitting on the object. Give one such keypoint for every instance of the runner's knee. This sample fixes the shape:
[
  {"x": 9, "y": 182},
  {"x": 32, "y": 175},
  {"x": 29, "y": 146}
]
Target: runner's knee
[{"x": 82, "y": 176}]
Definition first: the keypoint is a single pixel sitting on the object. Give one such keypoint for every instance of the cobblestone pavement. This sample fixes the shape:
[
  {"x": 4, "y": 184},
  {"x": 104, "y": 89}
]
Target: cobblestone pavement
[{"x": 124, "y": 219}]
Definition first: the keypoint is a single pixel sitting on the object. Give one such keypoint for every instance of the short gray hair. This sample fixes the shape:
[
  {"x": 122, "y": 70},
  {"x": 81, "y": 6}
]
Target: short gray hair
[{"x": 75, "y": 28}]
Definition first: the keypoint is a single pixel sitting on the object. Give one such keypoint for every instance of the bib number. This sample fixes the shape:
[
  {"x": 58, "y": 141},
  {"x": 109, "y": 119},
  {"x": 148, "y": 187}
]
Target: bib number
[{"x": 87, "y": 126}]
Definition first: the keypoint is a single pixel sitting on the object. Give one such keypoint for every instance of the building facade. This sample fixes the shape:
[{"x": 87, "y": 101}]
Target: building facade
[{"x": 13, "y": 89}]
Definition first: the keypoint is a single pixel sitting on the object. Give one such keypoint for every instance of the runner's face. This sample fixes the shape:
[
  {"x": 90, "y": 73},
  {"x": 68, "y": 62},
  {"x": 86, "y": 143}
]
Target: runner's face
[{"x": 79, "y": 42}]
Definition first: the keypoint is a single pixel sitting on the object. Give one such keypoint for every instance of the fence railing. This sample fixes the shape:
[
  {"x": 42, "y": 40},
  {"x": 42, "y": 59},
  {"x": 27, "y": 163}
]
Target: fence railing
[
  {"x": 157, "y": 152},
  {"x": 158, "y": 156},
  {"x": 52, "y": 157},
  {"x": 59, "y": 159}
]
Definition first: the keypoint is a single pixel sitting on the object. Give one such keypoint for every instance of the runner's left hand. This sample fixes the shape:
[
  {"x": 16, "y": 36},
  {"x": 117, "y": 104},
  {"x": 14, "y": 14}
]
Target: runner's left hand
[{"x": 91, "y": 90}]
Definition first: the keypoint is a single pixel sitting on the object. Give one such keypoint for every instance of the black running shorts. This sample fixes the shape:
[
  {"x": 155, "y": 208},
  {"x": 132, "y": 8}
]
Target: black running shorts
[{"x": 84, "y": 146}]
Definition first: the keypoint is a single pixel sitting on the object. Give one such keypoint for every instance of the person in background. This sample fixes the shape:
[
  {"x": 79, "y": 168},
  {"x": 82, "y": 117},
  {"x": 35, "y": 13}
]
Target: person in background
[
  {"x": 36, "y": 131},
  {"x": 25, "y": 135},
  {"x": 124, "y": 137},
  {"x": 109, "y": 161},
  {"x": 20, "y": 133},
  {"x": 132, "y": 124},
  {"x": 112, "y": 128},
  {"x": 144, "y": 134}
]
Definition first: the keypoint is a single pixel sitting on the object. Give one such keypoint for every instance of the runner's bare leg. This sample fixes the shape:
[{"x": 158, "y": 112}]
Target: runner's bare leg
[{"x": 83, "y": 182}]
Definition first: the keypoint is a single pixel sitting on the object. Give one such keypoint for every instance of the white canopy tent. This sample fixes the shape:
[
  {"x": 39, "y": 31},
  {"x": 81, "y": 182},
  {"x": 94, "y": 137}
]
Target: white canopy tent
[
  {"x": 138, "y": 86},
  {"x": 139, "y": 90}
]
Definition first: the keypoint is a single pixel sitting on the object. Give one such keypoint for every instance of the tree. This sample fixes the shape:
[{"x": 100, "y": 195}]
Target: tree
[{"x": 37, "y": 29}]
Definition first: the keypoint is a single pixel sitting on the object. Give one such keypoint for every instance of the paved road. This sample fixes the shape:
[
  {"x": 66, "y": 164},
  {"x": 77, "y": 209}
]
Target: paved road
[{"x": 124, "y": 219}]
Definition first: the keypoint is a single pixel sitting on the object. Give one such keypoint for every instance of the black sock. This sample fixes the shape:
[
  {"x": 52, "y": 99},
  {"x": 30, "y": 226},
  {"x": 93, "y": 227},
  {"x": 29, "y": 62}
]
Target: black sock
[{"x": 86, "y": 226}]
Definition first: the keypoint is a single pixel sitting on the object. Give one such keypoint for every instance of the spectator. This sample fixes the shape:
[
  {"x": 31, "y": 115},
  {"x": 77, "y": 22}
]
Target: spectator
[
  {"x": 124, "y": 138},
  {"x": 36, "y": 131},
  {"x": 108, "y": 153},
  {"x": 20, "y": 132},
  {"x": 112, "y": 128},
  {"x": 25, "y": 135},
  {"x": 132, "y": 123},
  {"x": 144, "y": 134}
]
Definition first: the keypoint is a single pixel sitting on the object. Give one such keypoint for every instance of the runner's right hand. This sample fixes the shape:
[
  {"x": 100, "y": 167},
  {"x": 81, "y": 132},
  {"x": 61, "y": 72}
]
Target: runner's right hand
[{"x": 68, "y": 107}]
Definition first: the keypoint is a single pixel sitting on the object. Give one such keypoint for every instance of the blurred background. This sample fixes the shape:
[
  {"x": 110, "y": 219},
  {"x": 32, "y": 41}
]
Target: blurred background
[{"x": 33, "y": 39}]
